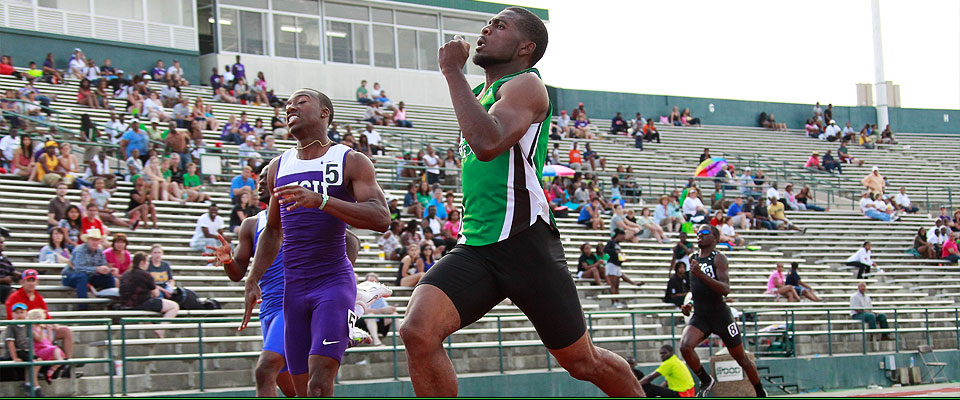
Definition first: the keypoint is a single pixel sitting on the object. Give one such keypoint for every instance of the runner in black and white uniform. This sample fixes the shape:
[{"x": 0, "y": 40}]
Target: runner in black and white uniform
[{"x": 709, "y": 284}]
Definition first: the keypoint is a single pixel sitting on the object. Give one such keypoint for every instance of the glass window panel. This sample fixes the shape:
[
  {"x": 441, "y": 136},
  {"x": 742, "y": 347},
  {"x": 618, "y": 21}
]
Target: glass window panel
[
  {"x": 285, "y": 35},
  {"x": 206, "y": 28},
  {"x": 244, "y": 3},
  {"x": 382, "y": 15},
  {"x": 119, "y": 9},
  {"x": 361, "y": 44},
  {"x": 463, "y": 24},
  {"x": 298, "y": 6},
  {"x": 416, "y": 19},
  {"x": 339, "y": 47},
  {"x": 383, "y": 51},
  {"x": 427, "y": 49},
  {"x": 186, "y": 12},
  {"x": 163, "y": 11},
  {"x": 251, "y": 32},
  {"x": 345, "y": 11},
  {"x": 66, "y": 5},
  {"x": 407, "y": 43},
  {"x": 469, "y": 67},
  {"x": 229, "y": 23},
  {"x": 308, "y": 38}
]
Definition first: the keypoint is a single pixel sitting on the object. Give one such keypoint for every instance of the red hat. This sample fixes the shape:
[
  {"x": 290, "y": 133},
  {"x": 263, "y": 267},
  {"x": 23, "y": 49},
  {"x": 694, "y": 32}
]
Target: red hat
[
  {"x": 563, "y": 111},
  {"x": 581, "y": 104},
  {"x": 30, "y": 273}
]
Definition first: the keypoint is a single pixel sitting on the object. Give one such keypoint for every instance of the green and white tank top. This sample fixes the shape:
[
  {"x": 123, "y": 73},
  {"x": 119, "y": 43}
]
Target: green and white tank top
[{"x": 504, "y": 196}]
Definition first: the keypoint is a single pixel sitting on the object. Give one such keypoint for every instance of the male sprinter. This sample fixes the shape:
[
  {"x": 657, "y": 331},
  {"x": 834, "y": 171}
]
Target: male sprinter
[
  {"x": 317, "y": 188},
  {"x": 271, "y": 370},
  {"x": 509, "y": 245},
  {"x": 709, "y": 283}
]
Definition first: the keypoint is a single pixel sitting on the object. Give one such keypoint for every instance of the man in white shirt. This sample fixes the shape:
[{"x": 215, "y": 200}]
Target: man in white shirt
[
  {"x": 374, "y": 139},
  {"x": 903, "y": 202},
  {"x": 885, "y": 208},
  {"x": 831, "y": 133},
  {"x": 227, "y": 75},
  {"x": 693, "y": 208},
  {"x": 91, "y": 71},
  {"x": 861, "y": 260},
  {"x": 933, "y": 235},
  {"x": 563, "y": 122},
  {"x": 169, "y": 94},
  {"x": 115, "y": 128},
  {"x": 861, "y": 308},
  {"x": 432, "y": 162},
  {"x": 209, "y": 225},
  {"x": 153, "y": 108},
  {"x": 8, "y": 145},
  {"x": 175, "y": 73},
  {"x": 848, "y": 130},
  {"x": 77, "y": 64},
  {"x": 772, "y": 193},
  {"x": 869, "y": 208}
]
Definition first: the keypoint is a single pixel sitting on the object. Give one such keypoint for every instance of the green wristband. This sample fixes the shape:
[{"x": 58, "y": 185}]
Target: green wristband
[{"x": 324, "y": 203}]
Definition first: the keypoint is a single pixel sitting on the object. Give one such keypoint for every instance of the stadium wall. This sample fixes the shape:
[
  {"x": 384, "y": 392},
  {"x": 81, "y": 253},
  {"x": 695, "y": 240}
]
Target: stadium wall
[
  {"x": 602, "y": 106},
  {"x": 25, "y": 46},
  {"x": 810, "y": 373}
]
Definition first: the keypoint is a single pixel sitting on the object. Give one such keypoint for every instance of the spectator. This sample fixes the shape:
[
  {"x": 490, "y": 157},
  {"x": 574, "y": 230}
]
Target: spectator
[
  {"x": 619, "y": 221},
  {"x": 8, "y": 275},
  {"x": 590, "y": 265},
  {"x": 693, "y": 209},
  {"x": 830, "y": 164},
  {"x": 831, "y": 133},
  {"x": 50, "y": 71},
  {"x": 563, "y": 124},
  {"x": 662, "y": 217},
  {"x": 87, "y": 265},
  {"x": 411, "y": 267},
  {"x": 594, "y": 159},
  {"x": 193, "y": 188},
  {"x": 161, "y": 272},
  {"x": 117, "y": 256},
  {"x": 848, "y": 133},
  {"x": 575, "y": 158},
  {"x": 221, "y": 92},
  {"x": 242, "y": 91},
  {"x": 159, "y": 73},
  {"x": 865, "y": 139},
  {"x": 861, "y": 308},
  {"x": 679, "y": 381},
  {"x": 153, "y": 108},
  {"x": 771, "y": 123},
  {"x": 614, "y": 266},
  {"x": 618, "y": 124},
  {"x": 874, "y": 182},
  {"x": 578, "y": 112},
  {"x": 378, "y": 307},
  {"x": 650, "y": 132},
  {"x": 373, "y": 114},
  {"x": 48, "y": 170},
  {"x": 278, "y": 123},
  {"x": 677, "y": 286},
  {"x": 886, "y": 137},
  {"x": 243, "y": 183},
  {"x": 645, "y": 221},
  {"x": 861, "y": 260},
  {"x": 56, "y": 251},
  {"x": 43, "y": 346},
  {"x": 705, "y": 155},
  {"x": 812, "y": 128},
  {"x": 432, "y": 163},
  {"x": 243, "y": 209},
  {"x": 208, "y": 226},
  {"x": 922, "y": 247},
  {"x": 384, "y": 100},
  {"x": 399, "y": 116},
  {"x": 139, "y": 291},
  {"x": 17, "y": 345},
  {"x": 170, "y": 95},
  {"x": 793, "y": 279},
  {"x": 728, "y": 234},
  {"x": 410, "y": 203},
  {"x": 134, "y": 138},
  {"x": 814, "y": 162},
  {"x": 591, "y": 217},
  {"x": 817, "y": 113},
  {"x": 57, "y": 208},
  {"x": 72, "y": 223},
  {"x": 389, "y": 242},
  {"x": 451, "y": 164},
  {"x": 775, "y": 212},
  {"x": 776, "y": 285},
  {"x": 737, "y": 215},
  {"x": 674, "y": 117},
  {"x": 92, "y": 221},
  {"x": 363, "y": 97},
  {"x": 411, "y": 234},
  {"x": 903, "y": 202},
  {"x": 153, "y": 174},
  {"x": 581, "y": 128},
  {"x": 949, "y": 251},
  {"x": 804, "y": 200},
  {"x": 375, "y": 140},
  {"x": 687, "y": 120}
]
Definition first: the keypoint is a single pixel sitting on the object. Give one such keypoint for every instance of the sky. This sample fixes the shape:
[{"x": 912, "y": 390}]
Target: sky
[{"x": 782, "y": 51}]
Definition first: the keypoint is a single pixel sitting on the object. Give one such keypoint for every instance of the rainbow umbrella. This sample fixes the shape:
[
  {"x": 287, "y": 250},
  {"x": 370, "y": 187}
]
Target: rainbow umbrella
[
  {"x": 710, "y": 167},
  {"x": 557, "y": 170}
]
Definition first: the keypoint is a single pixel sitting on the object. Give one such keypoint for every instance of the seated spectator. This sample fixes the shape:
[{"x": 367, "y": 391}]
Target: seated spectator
[
  {"x": 384, "y": 100},
  {"x": 56, "y": 251},
  {"x": 363, "y": 97},
  {"x": 886, "y": 137},
  {"x": 153, "y": 108},
  {"x": 738, "y": 215},
  {"x": 590, "y": 216},
  {"x": 399, "y": 116},
  {"x": 220, "y": 91},
  {"x": 88, "y": 266},
  {"x": 134, "y": 139},
  {"x": 117, "y": 256},
  {"x": 618, "y": 221},
  {"x": 192, "y": 185},
  {"x": 949, "y": 251},
  {"x": 17, "y": 344},
  {"x": 243, "y": 209},
  {"x": 379, "y": 307},
  {"x": 410, "y": 203},
  {"x": 374, "y": 139},
  {"x": 451, "y": 166},
  {"x": 411, "y": 267},
  {"x": 679, "y": 381},
  {"x": 43, "y": 346},
  {"x": 618, "y": 125},
  {"x": 776, "y": 285},
  {"x": 831, "y": 133},
  {"x": 373, "y": 114},
  {"x": 259, "y": 89},
  {"x": 861, "y": 308},
  {"x": 687, "y": 120},
  {"x": 575, "y": 158},
  {"x": 591, "y": 265},
  {"x": 159, "y": 73},
  {"x": 869, "y": 208},
  {"x": 389, "y": 242},
  {"x": 50, "y": 72},
  {"x": 769, "y": 122},
  {"x": 674, "y": 117},
  {"x": 581, "y": 128},
  {"x": 92, "y": 220},
  {"x": 830, "y": 164},
  {"x": 593, "y": 159},
  {"x": 650, "y": 131},
  {"x": 677, "y": 286},
  {"x": 72, "y": 224},
  {"x": 243, "y": 183},
  {"x": 614, "y": 267},
  {"x": 775, "y": 211},
  {"x": 813, "y": 130},
  {"x": 140, "y": 207},
  {"x": 662, "y": 217},
  {"x": 57, "y": 207},
  {"x": 861, "y": 260},
  {"x": 48, "y": 170},
  {"x": 139, "y": 291},
  {"x": 923, "y": 248},
  {"x": 8, "y": 275},
  {"x": 903, "y": 202},
  {"x": 804, "y": 200},
  {"x": 865, "y": 139},
  {"x": 208, "y": 226},
  {"x": 22, "y": 164},
  {"x": 814, "y": 162},
  {"x": 646, "y": 221},
  {"x": 804, "y": 290},
  {"x": 170, "y": 95},
  {"x": 693, "y": 209},
  {"x": 242, "y": 91},
  {"x": 728, "y": 234},
  {"x": 874, "y": 182}
]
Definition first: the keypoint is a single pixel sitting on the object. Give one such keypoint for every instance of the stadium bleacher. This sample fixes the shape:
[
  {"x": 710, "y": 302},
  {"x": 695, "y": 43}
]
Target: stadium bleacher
[{"x": 907, "y": 284}]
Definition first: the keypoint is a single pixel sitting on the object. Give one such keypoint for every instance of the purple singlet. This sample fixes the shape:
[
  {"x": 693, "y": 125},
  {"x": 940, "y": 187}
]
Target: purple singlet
[{"x": 320, "y": 286}]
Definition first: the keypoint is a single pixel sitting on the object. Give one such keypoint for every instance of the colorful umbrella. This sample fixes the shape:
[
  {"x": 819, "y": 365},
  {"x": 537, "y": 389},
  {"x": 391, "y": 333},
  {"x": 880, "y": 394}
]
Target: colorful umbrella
[
  {"x": 557, "y": 170},
  {"x": 710, "y": 167}
]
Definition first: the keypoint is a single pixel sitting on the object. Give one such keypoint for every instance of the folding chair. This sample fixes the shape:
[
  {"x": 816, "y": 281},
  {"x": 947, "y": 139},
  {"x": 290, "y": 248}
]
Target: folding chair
[{"x": 934, "y": 368}]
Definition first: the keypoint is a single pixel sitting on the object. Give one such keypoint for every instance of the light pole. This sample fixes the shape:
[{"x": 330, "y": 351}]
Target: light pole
[{"x": 883, "y": 117}]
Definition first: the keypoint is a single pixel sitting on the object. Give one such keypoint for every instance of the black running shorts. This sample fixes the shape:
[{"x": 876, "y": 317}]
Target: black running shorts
[
  {"x": 529, "y": 268},
  {"x": 719, "y": 322}
]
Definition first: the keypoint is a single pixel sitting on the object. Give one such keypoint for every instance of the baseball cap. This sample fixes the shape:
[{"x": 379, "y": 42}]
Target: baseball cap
[
  {"x": 19, "y": 306},
  {"x": 581, "y": 104},
  {"x": 30, "y": 273},
  {"x": 875, "y": 168},
  {"x": 563, "y": 111},
  {"x": 50, "y": 143},
  {"x": 832, "y": 122}
]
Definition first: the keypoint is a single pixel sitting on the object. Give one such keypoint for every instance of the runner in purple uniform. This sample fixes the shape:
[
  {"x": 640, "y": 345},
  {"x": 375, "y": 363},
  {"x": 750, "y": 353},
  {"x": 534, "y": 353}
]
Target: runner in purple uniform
[{"x": 317, "y": 189}]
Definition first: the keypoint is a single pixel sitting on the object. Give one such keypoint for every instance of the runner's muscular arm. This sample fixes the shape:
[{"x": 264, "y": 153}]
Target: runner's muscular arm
[
  {"x": 241, "y": 255},
  {"x": 523, "y": 101},
  {"x": 721, "y": 285},
  {"x": 268, "y": 246}
]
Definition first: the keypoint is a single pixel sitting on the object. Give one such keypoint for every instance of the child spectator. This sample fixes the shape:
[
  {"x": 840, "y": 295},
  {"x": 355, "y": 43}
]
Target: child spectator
[
  {"x": 56, "y": 250},
  {"x": 43, "y": 346},
  {"x": 18, "y": 343}
]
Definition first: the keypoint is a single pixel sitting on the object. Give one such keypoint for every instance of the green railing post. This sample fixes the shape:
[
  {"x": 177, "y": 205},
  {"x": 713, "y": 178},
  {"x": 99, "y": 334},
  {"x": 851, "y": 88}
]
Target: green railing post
[
  {"x": 30, "y": 373},
  {"x": 111, "y": 368},
  {"x": 896, "y": 331},
  {"x": 500, "y": 343},
  {"x": 200, "y": 351},
  {"x": 633, "y": 328},
  {"x": 829, "y": 336},
  {"x": 926, "y": 317},
  {"x": 123, "y": 354},
  {"x": 396, "y": 371}
]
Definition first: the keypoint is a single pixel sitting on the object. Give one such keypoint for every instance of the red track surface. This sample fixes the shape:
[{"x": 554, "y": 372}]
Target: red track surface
[{"x": 933, "y": 392}]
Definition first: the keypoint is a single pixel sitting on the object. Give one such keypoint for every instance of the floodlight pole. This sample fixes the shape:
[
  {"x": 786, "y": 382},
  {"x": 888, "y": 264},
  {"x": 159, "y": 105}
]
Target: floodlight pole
[{"x": 883, "y": 117}]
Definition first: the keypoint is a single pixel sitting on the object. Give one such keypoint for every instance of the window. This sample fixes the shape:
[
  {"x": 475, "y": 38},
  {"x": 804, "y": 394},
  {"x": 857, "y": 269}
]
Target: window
[
  {"x": 229, "y": 22},
  {"x": 310, "y": 7},
  {"x": 308, "y": 38},
  {"x": 207, "y": 27},
  {"x": 285, "y": 35},
  {"x": 382, "y": 15},
  {"x": 472, "y": 26},
  {"x": 164, "y": 11},
  {"x": 244, "y": 3},
  {"x": 251, "y": 32},
  {"x": 119, "y": 9},
  {"x": 296, "y": 37},
  {"x": 417, "y": 19},
  {"x": 344, "y": 11},
  {"x": 186, "y": 10},
  {"x": 68, "y": 5},
  {"x": 407, "y": 43},
  {"x": 427, "y": 49},
  {"x": 469, "y": 67},
  {"x": 384, "y": 54},
  {"x": 348, "y": 42}
]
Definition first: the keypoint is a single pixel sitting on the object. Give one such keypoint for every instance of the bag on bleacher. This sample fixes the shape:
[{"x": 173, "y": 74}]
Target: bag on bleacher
[{"x": 187, "y": 299}]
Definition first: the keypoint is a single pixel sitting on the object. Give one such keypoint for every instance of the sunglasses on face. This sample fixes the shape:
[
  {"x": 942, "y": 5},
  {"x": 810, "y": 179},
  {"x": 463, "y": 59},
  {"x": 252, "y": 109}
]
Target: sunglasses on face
[{"x": 704, "y": 232}]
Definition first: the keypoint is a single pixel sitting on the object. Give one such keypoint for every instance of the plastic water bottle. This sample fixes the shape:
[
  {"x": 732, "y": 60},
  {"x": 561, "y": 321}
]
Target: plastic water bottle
[{"x": 911, "y": 362}]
